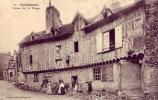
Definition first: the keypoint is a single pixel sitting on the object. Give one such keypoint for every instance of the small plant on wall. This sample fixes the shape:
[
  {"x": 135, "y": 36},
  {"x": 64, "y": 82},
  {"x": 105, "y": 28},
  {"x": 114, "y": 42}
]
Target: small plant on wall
[{"x": 130, "y": 52}]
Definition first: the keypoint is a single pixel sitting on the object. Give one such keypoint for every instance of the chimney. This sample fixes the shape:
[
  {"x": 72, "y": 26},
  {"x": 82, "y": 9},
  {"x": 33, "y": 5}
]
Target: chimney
[{"x": 52, "y": 18}]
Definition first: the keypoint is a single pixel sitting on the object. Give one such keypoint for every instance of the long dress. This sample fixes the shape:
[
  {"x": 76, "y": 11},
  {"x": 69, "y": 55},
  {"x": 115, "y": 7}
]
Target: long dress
[
  {"x": 61, "y": 90},
  {"x": 49, "y": 88}
]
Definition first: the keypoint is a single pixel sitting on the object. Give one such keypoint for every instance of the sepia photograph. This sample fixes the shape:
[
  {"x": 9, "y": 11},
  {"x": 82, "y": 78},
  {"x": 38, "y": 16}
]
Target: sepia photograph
[{"x": 78, "y": 49}]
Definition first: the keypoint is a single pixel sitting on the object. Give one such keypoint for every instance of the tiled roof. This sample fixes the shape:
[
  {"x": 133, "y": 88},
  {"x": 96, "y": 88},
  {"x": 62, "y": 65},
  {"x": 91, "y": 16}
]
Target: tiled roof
[
  {"x": 65, "y": 31},
  {"x": 116, "y": 14},
  {"x": 68, "y": 29}
]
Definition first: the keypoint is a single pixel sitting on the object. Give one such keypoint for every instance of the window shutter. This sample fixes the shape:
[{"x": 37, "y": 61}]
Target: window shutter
[
  {"x": 118, "y": 36},
  {"x": 99, "y": 42},
  {"x": 106, "y": 41}
]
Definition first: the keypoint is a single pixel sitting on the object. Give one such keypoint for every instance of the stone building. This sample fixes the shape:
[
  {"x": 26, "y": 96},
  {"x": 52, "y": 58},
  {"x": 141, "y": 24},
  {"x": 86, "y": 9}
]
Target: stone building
[
  {"x": 107, "y": 50},
  {"x": 4, "y": 59},
  {"x": 9, "y": 72}
]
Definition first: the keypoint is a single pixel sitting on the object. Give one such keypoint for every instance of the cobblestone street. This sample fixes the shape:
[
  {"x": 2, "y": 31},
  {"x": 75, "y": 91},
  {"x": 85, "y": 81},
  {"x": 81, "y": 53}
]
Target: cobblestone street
[{"x": 9, "y": 92}]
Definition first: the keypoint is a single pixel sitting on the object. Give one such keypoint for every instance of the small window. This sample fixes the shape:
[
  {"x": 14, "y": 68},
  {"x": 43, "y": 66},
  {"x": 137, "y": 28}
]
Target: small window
[
  {"x": 59, "y": 62},
  {"x": 105, "y": 15},
  {"x": 97, "y": 73},
  {"x": 31, "y": 60},
  {"x": 35, "y": 77},
  {"x": 11, "y": 74},
  {"x": 58, "y": 48},
  {"x": 76, "y": 49},
  {"x": 33, "y": 37}
]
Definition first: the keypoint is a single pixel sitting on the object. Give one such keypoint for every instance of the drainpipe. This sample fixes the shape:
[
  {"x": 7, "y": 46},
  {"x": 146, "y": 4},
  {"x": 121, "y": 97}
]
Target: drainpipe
[{"x": 119, "y": 77}]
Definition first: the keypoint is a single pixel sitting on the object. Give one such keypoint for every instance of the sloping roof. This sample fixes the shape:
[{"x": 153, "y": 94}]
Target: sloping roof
[
  {"x": 65, "y": 31},
  {"x": 28, "y": 37},
  {"x": 116, "y": 14},
  {"x": 68, "y": 29}
]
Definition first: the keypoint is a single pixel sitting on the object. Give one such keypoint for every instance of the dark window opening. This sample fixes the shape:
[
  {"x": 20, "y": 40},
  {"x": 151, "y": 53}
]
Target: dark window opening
[
  {"x": 105, "y": 14},
  {"x": 35, "y": 77},
  {"x": 74, "y": 81},
  {"x": 58, "y": 62},
  {"x": 58, "y": 48},
  {"x": 76, "y": 49},
  {"x": 31, "y": 60},
  {"x": 112, "y": 39},
  {"x": 68, "y": 60},
  {"x": 33, "y": 37},
  {"x": 11, "y": 74}
]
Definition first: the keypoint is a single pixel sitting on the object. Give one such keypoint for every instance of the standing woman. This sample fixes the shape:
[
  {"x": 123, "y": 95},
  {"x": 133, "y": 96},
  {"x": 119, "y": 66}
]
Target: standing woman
[
  {"x": 61, "y": 90},
  {"x": 49, "y": 88}
]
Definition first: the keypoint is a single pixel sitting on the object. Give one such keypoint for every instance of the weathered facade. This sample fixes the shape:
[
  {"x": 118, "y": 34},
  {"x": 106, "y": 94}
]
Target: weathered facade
[
  {"x": 9, "y": 72},
  {"x": 5, "y": 57},
  {"x": 107, "y": 51}
]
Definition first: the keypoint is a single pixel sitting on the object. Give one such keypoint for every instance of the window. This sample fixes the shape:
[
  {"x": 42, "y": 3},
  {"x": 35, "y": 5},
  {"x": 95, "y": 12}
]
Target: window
[
  {"x": 58, "y": 48},
  {"x": 109, "y": 40},
  {"x": 35, "y": 77},
  {"x": 76, "y": 49},
  {"x": 138, "y": 23},
  {"x": 103, "y": 73},
  {"x": 97, "y": 73},
  {"x": 112, "y": 39},
  {"x": 107, "y": 74},
  {"x": 59, "y": 62},
  {"x": 31, "y": 60},
  {"x": 105, "y": 15},
  {"x": 11, "y": 74},
  {"x": 67, "y": 60},
  {"x": 33, "y": 37}
]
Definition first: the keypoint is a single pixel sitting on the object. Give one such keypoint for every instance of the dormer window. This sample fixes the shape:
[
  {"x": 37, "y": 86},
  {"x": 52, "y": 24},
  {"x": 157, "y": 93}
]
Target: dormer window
[
  {"x": 106, "y": 12},
  {"x": 33, "y": 37},
  {"x": 105, "y": 15}
]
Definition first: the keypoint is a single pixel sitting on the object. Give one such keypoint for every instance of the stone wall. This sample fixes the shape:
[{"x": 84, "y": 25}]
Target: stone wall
[
  {"x": 84, "y": 75},
  {"x": 151, "y": 47}
]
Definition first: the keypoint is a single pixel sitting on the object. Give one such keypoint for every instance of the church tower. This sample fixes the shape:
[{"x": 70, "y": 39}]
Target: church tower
[{"x": 52, "y": 18}]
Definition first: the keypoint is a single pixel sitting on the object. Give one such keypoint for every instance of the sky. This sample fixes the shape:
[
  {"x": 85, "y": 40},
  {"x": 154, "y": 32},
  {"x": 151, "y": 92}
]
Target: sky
[{"x": 15, "y": 24}]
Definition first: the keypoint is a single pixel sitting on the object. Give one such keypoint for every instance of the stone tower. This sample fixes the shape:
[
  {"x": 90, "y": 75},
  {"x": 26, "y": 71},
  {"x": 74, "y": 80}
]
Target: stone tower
[{"x": 52, "y": 18}]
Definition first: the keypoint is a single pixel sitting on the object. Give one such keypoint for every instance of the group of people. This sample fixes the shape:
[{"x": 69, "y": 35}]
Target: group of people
[
  {"x": 56, "y": 88},
  {"x": 60, "y": 88}
]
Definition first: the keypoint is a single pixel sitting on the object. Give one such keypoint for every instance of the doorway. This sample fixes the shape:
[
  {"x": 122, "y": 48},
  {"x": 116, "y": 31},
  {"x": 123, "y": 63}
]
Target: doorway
[{"x": 74, "y": 80}]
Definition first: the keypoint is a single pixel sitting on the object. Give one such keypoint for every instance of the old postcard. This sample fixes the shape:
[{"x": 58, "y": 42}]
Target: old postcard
[{"x": 78, "y": 50}]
